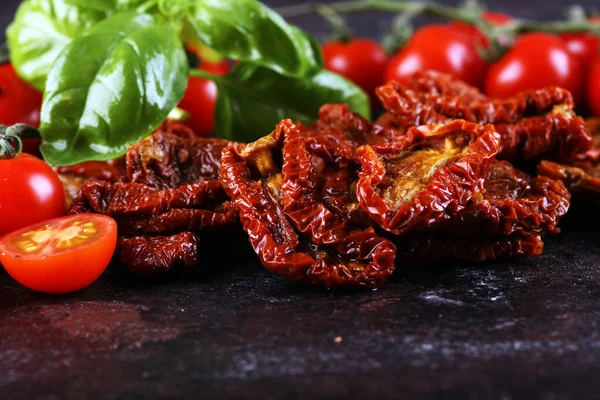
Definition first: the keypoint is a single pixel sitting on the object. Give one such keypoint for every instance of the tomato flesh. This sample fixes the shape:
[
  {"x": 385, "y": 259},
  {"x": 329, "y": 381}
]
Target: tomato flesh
[{"x": 60, "y": 255}]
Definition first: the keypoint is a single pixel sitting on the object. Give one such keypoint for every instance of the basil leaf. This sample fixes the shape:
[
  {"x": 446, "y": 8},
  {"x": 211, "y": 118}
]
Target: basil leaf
[
  {"x": 251, "y": 100},
  {"x": 40, "y": 31},
  {"x": 249, "y": 31},
  {"x": 111, "y": 88}
]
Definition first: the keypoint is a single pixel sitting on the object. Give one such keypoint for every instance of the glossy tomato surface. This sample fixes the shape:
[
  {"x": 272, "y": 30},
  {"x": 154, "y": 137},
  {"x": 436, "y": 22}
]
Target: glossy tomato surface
[
  {"x": 362, "y": 61},
  {"x": 30, "y": 192},
  {"x": 537, "y": 60},
  {"x": 200, "y": 99},
  {"x": 593, "y": 87},
  {"x": 60, "y": 255},
  {"x": 442, "y": 48},
  {"x": 583, "y": 46},
  {"x": 19, "y": 102}
]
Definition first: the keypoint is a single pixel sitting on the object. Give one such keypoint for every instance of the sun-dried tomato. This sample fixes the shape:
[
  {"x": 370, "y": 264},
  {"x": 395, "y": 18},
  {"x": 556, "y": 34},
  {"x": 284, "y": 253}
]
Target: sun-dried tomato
[
  {"x": 434, "y": 82},
  {"x": 252, "y": 177},
  {"x": 421, "y": 182},
  {"x": 416, "y": 249},
  {"x": 511, "y": 202},
  {"x": 582, "y": 176},
  {"x": 532, "y": 124},
  {"x": 116, "y": 199},
  {"x": 179, "y": 220},
  {"x": 164, "y": 160},
  {"x": 147, "y": 255}
]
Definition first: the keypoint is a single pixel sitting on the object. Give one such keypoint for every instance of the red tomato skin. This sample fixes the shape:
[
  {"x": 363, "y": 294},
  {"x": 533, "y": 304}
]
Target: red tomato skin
[
  {"x": 537, "y": 60},
  {"x": 492, "y": 17},
  {"x": 441, "y": 48},
  {"x": 30, "y": 192},
  {"x": 200, "y": 99},
  {"x": 361, "y": 61},
  {"x": 593, "y": 87},
  {"x": 19, "y": 102},
  {"x": 583, "y": 46},
  {"x": 64, "y": 272}
]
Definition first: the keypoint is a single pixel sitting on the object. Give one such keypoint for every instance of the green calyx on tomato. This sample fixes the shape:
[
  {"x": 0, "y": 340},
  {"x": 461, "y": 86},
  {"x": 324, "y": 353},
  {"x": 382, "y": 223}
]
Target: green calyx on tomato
[{"x": 112, "y": 70}]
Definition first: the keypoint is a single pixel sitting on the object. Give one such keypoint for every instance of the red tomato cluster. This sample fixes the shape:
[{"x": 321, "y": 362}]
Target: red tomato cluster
[{"x": 535, "y": 60}]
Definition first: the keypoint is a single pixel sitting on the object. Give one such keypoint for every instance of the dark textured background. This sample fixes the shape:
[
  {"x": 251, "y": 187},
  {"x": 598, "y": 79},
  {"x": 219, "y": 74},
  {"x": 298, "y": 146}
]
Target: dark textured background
[{"x": 524, "y": 330}]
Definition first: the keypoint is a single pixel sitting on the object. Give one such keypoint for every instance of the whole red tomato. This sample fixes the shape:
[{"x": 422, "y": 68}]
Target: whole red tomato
[
  {"x": 30, "y": 192},
  {"x": 491, "y": 17},
  {"x": 200, "y": 99},
  {"x": 442, "y": 48},
  {"x": 537, "y": 60},
  {"x": 362, "y": 61},
  {"x": 19, "y": 102},
  {"x": 593, "y": 87},
  {"x": 584, "y": 46}
]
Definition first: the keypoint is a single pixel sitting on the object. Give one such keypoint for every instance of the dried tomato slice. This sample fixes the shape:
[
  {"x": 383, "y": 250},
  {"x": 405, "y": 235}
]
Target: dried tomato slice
[
  {"x": 582, "y": 176},
  {"x": 434, "y": 82},
  {"x": 130, "y": 199},
  {"x": 148, "y": 255},
  {"x": 165, "y": 160},
  {"x": 178, "y": 220},
  {"x": 531, "y": 124},
  {"x": 252, "y": 177},
  {"x": 416, "y": 184},
  {"x": 416, "y": 249},
  {"x": 511, "y": 202}
]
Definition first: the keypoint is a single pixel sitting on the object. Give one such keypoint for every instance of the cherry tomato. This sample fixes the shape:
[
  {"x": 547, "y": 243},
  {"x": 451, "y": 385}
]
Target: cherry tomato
[
  {"x": 30, "y": 192},
  {"x": 593, "y": 87},
  {"x": 200, "y": 99},
  {"x": 61, "y": 255},
  {"x": 537, "y": 60},
  {"x": 441, "y": 48},
  {"x": 19, "y": 102},
  {"x": 492, "y": 17},
  {"x": 583, "y": 46},
  {"x": 362, "y": 61}
]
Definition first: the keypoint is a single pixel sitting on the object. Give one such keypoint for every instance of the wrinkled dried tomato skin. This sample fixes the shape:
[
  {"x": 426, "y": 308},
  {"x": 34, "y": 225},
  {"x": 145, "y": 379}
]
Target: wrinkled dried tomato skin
[
  {"x": 532, "y": 124},
  {"x": 165, "y": 160},
  {"x": 511, "y": 202},
  {"x": 419, "y": 249},
  {"x": 148, "y": 255},
  {"x": 581, "y": 176},
  {"x": 346, "y": 258},
  {"x": 415, "y": 186},
  {"x": 131, "y": 199},
  {"x": 170, "y": 187}
]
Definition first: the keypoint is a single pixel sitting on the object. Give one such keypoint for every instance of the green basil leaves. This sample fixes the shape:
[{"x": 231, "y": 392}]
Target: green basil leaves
[
  {"x": 248, "y": 31},
  {"x": 110, "y": 88},
  {"x": 41, "y": 30},
  {"x": 267, "y": 97}
]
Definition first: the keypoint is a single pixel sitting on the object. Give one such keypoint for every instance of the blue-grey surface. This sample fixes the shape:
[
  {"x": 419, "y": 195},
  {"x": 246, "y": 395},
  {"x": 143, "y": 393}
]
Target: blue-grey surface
[{"x": 523, "y": 330}]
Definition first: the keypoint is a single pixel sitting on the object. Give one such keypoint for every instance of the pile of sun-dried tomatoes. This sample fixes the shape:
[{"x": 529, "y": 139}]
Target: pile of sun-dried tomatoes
[{"x": 344, "y": 201}]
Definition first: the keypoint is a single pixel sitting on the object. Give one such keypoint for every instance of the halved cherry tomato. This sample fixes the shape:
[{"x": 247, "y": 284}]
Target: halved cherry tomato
[
  {"x": 492, "y": 17},
  {"x": 362, "y": 61},
  {"x": 200, "y": 99},
  {"x": 61, "y": 255},
  {"x": 30, "y": 192},
  {"x": 537, "y": 60},
  {"x": 442, "y": 48}
]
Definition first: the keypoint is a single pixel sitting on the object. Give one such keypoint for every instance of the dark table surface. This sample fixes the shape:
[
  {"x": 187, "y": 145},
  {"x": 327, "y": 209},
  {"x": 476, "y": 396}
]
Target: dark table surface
[{"x": 525, "y": 329}]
